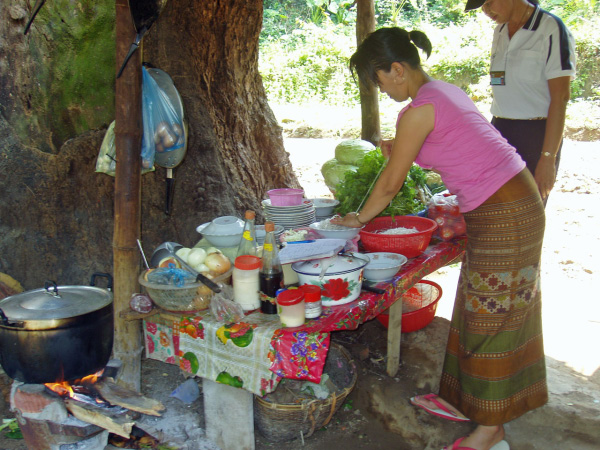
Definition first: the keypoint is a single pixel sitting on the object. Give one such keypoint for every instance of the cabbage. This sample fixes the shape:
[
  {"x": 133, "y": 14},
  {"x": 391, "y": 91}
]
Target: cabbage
[
  {"x": 351, "y": 151},
  {"x": 333, "y": 172}
]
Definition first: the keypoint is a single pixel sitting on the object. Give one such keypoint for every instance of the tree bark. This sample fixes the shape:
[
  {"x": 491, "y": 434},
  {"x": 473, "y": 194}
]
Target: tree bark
[
  {"x": 61, "y": 211},
  {"x": 369, "y": 101}
]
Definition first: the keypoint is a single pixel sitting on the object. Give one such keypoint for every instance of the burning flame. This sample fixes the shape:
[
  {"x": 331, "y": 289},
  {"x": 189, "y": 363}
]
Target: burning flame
[{"x": 65, "y": 389}]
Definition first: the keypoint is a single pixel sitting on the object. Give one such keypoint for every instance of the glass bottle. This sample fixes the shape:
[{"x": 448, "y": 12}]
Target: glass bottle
[
  {"x": 248, "y": 244},
  {"x": 271, "y": 272}
]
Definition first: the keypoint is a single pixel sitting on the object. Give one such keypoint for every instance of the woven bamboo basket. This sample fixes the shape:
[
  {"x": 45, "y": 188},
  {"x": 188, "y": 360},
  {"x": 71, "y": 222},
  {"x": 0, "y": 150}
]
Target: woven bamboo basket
[{"x": 284, "y": 422}]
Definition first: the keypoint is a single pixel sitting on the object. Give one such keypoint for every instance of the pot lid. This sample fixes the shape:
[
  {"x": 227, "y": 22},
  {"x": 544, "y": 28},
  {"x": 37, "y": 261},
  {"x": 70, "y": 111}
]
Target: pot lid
[
  {"x": 333, "y": 266},
  {"x": 55, "y": 302}
]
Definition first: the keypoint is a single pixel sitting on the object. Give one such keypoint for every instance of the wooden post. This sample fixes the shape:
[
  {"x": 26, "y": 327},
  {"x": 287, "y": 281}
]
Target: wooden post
[
  {"x": 369, "y": 101},
  {"x": 128, "y": 137}
]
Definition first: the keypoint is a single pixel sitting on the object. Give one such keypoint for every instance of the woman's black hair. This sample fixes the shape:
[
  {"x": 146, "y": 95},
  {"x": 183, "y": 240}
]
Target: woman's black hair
[{"x": 385, "y": 46}]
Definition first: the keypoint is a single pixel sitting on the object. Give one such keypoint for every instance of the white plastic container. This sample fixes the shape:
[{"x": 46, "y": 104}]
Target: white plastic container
[
  {"x": 290, "y": 306},
  {"x": 246, "y": 284}
]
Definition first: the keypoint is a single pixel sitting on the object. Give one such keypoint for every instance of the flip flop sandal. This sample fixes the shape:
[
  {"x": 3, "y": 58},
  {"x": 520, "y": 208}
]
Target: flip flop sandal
[
  {"x": 441, "y": 410},
  {"x": 502, "y": 445}
]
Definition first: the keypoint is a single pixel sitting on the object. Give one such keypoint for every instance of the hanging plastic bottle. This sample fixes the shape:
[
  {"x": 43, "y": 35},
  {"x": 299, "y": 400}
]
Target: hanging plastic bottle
[
  {"x": 248, "y": 244},
  {"x": 271, "y": 272}
]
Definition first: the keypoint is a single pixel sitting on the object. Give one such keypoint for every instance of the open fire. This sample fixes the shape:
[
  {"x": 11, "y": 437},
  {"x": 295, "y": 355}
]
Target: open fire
[{"x": 80, "y": 413}]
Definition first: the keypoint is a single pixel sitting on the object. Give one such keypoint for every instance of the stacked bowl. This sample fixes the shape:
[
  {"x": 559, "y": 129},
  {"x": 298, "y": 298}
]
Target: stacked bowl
[{"x": 324, "y": 207}]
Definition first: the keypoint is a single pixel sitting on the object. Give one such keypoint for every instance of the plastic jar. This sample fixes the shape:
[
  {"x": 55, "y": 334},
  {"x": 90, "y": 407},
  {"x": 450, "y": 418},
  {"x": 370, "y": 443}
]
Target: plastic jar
[
  {"x": 312, "y": 301},
  {"x": 246, "y": 283},
  {"x": 290, "y": 305}
]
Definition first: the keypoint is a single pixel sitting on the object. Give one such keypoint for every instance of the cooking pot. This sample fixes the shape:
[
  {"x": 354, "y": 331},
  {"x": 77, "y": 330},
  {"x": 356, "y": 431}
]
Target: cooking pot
[
  {"x": 339, "y": 277},
  {"x": 56, "y": 333}
]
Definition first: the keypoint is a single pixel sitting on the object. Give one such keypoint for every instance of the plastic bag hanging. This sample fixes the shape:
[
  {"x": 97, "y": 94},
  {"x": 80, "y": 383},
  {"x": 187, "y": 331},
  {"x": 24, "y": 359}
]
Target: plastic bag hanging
[
  {"x": 163, "y": 125},
  {"x": 107, "y": 157}
]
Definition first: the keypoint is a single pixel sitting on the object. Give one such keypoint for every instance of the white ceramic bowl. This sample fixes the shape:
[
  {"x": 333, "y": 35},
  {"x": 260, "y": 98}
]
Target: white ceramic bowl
[
  {"x": 219, "y": 240},
  {"x": 383, "y": 265},
  {"x": 342, "y": 279},
  {"x": 226, "y": 225},
  {"x": 330, "y": 231},
  {"x": 324, "y": 206}
]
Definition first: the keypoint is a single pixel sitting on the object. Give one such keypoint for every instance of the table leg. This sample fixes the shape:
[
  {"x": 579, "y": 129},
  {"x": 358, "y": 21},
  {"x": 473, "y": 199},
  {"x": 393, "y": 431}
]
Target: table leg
[
  {"x": 228, "y": 415},
  {"x": 394, "y": 337}
]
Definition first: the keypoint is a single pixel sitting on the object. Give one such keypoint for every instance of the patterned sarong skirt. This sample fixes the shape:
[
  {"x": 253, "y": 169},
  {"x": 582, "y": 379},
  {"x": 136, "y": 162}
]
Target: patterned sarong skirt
[{"x": 494, "y": 369}]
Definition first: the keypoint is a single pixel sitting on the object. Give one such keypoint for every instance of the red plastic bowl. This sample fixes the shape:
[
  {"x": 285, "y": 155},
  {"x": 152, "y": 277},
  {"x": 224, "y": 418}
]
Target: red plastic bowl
[
  {"x": 427, "y": 298},
  {"x": 409, "y": 245}
]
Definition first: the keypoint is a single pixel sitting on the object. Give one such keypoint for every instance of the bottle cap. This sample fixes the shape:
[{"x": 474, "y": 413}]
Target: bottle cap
[
  {"x": 312, "y": 293},
  {"x": 250, "y": 215},
  {"x": 269, "y": 226},
  {"x": 290, "y": 297},
  {"x": 247, "y": 262}
]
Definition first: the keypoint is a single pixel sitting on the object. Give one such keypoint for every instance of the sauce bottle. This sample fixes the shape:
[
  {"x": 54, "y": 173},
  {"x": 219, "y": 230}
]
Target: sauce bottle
[
  {"x": 248, "y": 244},
  {"x": 271, "y": 272}
]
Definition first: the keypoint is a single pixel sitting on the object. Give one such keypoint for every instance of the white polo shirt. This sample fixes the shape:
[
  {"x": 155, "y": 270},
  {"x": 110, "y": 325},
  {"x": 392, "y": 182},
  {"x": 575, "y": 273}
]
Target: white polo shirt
[{"x": 540, "y": 51}]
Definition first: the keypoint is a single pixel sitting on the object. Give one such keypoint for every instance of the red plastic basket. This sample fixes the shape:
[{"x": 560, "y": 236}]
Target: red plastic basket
[
  {"x": 409, "y": 245},
  {"x": 424, "y": 295}
]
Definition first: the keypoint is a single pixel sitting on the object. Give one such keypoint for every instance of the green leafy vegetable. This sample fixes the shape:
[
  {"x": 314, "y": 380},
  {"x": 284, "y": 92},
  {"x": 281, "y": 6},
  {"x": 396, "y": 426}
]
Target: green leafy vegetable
[
  {"x": 352, "y": 151},
  {"x": 351, "y": 191}
]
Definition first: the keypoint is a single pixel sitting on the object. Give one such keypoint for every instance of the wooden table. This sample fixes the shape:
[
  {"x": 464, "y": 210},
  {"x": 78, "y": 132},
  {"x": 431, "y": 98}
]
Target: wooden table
[{"x": 199, "y": 345}]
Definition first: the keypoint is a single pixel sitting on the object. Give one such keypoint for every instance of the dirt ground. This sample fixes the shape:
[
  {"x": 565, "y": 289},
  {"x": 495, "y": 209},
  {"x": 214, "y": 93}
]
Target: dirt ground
[{"x": 376, "y": 414}]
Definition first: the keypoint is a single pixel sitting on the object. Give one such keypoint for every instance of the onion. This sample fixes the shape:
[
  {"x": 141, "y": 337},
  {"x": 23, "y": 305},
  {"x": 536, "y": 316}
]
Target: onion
[
  {"x": 183, "y": 253},
  {"x": 218, "y": 263},
  {"x": 177, "y": 129},
  {"x": 202, "y": 268},
  {"x": 196, "y": 256},
  {"x": 168, "y": 140},
  {"x": 210, "y": 250},
  {"x": 162, "y": 128}
]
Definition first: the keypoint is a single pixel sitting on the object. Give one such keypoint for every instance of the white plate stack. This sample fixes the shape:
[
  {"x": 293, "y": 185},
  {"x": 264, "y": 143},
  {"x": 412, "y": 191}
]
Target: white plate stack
[{"x": 290, "y": 217}]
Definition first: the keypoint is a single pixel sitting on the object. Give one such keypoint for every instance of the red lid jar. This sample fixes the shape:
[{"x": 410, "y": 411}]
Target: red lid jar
[{"x": 290, "y": 306}]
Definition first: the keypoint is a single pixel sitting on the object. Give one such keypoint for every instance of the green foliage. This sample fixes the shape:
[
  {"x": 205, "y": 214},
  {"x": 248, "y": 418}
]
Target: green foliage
[
  {"x": 14, "y": 432},
  {"x": 357, "y": 185},
  {"x": 305, "y": 51},
  {"x": 310, "y": 64}
]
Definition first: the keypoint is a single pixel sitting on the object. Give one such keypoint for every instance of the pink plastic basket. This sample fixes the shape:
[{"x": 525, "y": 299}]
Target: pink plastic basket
[
  {"x": 409, "y": 245},
  {"x": 286, "y": 197}
]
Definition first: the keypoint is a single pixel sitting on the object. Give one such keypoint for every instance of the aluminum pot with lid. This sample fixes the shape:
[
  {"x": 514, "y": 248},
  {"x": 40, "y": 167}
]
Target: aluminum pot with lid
[{"x": 56, "y": 333}]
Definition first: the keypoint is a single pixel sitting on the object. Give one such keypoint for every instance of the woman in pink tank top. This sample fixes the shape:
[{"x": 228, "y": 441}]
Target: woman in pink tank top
[{"x": 494, "y": 371}]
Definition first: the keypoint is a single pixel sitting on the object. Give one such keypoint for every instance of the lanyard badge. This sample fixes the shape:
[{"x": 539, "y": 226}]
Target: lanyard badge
[{"x": 497, "y": 78}]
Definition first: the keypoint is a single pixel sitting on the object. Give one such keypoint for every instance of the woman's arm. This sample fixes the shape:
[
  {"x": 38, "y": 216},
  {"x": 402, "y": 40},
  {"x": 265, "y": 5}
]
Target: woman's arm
[
  {"x": 412, "y": 129},
  {"x": 545, "y": 171}
]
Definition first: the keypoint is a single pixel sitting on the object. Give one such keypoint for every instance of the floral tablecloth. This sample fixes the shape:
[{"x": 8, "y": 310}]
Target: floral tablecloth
[{"x": 256, "y": 353}]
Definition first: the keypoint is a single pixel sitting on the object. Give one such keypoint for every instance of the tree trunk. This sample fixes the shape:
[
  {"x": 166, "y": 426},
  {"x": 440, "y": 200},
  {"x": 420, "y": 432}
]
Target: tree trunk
[
  {"x": 235, "y": 152},
  {"x": 56, "y": 214},
  {"x": 369, "y": 101}
]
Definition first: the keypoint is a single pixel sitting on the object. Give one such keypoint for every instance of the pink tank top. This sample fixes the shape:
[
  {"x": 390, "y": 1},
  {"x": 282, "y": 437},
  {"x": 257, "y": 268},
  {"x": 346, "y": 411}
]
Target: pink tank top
[{"x": 471, "y": 156}]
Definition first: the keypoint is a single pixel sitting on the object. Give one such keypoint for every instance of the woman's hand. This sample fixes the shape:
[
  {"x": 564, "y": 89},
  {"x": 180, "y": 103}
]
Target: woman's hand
[
  {"x": 386, "y": 147},
  {"x": 545, "y": 175},
  {"x": 349, "y": 220}
]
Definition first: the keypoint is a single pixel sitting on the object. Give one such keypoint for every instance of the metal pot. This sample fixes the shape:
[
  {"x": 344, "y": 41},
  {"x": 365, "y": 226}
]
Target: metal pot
[{"x": 57, "y": 333}]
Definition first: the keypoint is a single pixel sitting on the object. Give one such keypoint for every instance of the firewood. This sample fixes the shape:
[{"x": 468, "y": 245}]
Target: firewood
[
  {"x": 127, "y": 398},
  {"x": 102, "y": 417}
]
